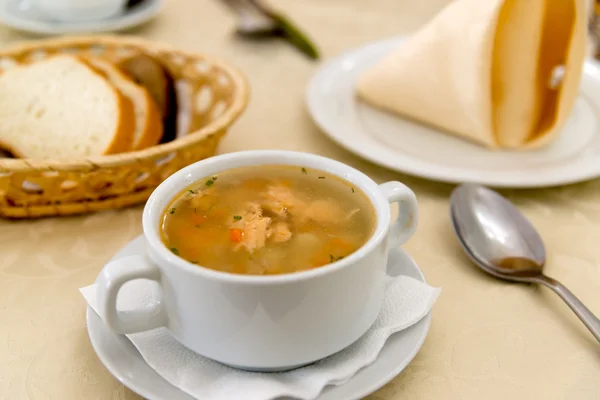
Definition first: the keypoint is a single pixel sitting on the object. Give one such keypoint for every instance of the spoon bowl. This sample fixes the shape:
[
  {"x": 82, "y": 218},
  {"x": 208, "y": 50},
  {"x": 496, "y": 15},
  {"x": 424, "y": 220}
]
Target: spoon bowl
[
  {"x": 257, "y": 20},
  {"x": 503, "y": 243},
  {"x": 495, "y": 235}
]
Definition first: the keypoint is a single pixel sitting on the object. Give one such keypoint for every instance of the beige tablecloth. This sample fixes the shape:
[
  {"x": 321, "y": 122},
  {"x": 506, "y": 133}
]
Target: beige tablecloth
[{"x": 489, "y": 340}]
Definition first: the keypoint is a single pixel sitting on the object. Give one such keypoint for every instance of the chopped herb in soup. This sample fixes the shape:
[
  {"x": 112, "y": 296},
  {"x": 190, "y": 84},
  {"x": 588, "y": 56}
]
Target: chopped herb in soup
[{"x": 265, "y": 220}]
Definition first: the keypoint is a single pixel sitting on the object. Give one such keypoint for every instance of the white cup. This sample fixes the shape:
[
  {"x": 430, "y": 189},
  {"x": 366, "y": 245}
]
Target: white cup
[
  {"x": 265, "y": 323},
  {"x": 79, "y": 10}
]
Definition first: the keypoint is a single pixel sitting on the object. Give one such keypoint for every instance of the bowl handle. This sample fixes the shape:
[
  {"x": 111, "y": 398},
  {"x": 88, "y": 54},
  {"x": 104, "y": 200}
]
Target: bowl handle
[
  {"x": 113, "y": 276},
  {"x": 405, "y": 225}
]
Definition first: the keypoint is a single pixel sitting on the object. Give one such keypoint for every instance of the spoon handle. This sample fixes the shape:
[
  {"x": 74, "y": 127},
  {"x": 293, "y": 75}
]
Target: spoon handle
[{"x": 584, "y": 314}]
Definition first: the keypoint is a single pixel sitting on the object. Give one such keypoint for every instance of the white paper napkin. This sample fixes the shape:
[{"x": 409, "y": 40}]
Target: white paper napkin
[{"x": 407, "y": 300}]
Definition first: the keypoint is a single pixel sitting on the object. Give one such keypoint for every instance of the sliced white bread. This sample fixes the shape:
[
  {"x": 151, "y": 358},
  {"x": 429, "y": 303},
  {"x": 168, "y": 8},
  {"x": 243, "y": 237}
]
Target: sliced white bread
[
  {"x": 152, "y": 74},
  {"x": 60, "y": 108},
  {"x": 148, "y": 122}
]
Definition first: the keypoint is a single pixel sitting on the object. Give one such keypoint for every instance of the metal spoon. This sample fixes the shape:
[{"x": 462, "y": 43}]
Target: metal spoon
[
  {"x": 257, "y": 20},
  {"x": 251, "y": 21},
  {"x": 502, "y": 242}
]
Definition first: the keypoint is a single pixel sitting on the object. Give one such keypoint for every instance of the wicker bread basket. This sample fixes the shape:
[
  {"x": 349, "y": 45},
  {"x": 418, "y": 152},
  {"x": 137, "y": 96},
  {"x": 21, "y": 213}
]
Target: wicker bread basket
[{"x": 215, "y": 94}]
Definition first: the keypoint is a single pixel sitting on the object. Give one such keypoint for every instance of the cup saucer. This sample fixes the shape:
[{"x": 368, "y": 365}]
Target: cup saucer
[
  {"x": 22, "y": 15},
  {"x": 123, "y": 360}
]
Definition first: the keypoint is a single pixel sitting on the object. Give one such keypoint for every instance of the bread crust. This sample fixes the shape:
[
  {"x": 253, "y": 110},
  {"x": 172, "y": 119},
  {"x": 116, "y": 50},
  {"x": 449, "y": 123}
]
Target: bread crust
[
  {"x": 122, "y": 137},
  {"x": 152, "y": 129},
  {"x": 155, "y": 77}
]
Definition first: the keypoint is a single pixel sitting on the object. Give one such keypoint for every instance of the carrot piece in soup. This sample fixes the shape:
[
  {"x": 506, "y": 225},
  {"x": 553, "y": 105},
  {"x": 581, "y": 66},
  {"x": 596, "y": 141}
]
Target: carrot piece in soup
[
  {"x": 197, "y": 219},
  {"x": 235, "y": 235}
]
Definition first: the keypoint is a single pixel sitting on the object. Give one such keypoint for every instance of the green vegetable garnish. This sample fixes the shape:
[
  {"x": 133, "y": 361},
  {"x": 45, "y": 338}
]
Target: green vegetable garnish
[
  {"x": 304, "y": 171},
  {"x": 172, "y": 211},
  {"x": 175, "y": 251},
  {"x": 237, "y": 217},
  {"x": 211, "y": 181}
]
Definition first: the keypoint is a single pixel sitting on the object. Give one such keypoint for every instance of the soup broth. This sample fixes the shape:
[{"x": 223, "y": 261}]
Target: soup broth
[{"x": 264, "y": 220}]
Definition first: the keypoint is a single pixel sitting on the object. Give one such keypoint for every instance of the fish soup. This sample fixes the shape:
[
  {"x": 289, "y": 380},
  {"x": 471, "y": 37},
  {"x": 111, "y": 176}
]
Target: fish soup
[{"x": 265, "y": 220}]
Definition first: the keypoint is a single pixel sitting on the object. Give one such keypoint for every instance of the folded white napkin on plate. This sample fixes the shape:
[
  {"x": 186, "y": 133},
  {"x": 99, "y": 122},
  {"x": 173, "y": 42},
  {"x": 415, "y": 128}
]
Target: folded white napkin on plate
[
  {"x": 502, "y": 73},
  {"x": 407, "y": 300}
]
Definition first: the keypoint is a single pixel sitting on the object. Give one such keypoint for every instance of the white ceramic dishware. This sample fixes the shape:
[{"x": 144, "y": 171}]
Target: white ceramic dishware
[
  {"x": 79, "y": 10},
  {"x": 410, "y": 147},
  {"x": 266, "y": 323},
  {"x": 24, "y": 16},
  {"x": 124, "y": 361}
]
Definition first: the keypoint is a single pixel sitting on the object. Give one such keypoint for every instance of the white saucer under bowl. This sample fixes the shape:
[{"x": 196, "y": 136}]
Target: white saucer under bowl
[
  {"x": 415, "y": 149},
  {"x": 22, "y": 15},
  {"x": 123, "y": 360}
]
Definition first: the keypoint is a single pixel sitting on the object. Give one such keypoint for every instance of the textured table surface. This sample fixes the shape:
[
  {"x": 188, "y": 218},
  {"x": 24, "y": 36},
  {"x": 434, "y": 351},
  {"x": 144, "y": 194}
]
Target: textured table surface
[{"x": 488, "y": 340}]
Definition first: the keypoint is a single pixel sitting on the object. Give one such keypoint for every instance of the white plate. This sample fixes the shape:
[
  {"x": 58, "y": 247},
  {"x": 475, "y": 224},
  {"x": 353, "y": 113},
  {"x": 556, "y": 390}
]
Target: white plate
[
  {"x": 123, "y": 360},
  {"x": 408, "y": 147},
  {"x": 22, "y": 15}
]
